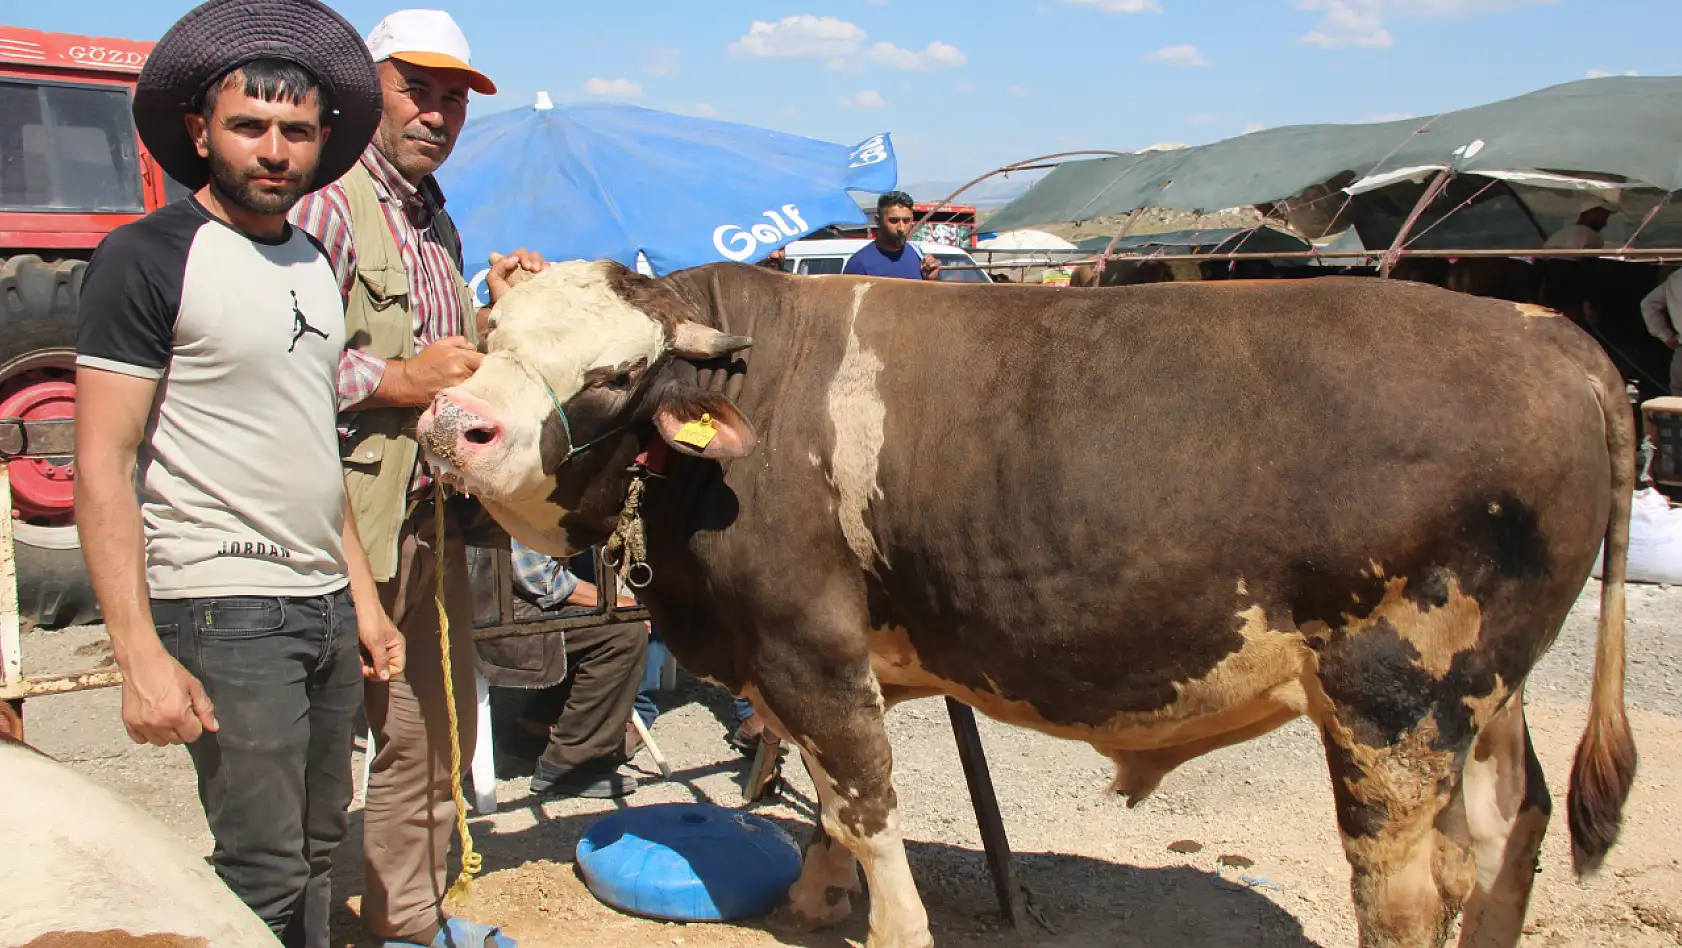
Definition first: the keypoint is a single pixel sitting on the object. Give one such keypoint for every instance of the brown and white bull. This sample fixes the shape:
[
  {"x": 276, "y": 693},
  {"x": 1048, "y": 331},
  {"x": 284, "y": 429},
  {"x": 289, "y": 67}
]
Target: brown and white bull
[{"x": 1157, "y": 519}]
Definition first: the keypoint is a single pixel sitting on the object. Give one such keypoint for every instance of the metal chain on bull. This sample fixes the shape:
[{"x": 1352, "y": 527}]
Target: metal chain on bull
[
  {"x": 628, "y": 547},
  {"x": 471, "y": 861}
]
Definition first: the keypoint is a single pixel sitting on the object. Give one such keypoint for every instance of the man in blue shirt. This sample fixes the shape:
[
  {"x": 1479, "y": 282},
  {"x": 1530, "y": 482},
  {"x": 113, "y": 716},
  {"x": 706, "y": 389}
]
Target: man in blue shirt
[{"x": 891, "y": 254}]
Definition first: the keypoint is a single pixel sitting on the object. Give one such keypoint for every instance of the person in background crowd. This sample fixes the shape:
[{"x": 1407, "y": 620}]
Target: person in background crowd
[
  {"x": 1661, "y": 310},
  {"x": 892, "y": 254},
  {"x": 1586, "y": 233}
]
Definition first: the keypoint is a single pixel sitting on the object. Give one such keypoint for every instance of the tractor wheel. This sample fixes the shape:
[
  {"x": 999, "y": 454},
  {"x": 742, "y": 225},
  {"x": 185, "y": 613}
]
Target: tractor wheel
[{"x": 38, "y": 303}]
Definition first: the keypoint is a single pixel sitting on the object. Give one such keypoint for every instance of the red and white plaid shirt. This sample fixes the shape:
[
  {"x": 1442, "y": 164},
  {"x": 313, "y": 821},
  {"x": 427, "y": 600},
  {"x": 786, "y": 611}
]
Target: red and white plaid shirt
[{"x": 431, "y": 265}]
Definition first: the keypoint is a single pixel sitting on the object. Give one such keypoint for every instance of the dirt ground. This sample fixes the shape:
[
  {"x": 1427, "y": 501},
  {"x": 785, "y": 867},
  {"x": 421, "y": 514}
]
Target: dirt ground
[{"x": 1100, "y": 874}]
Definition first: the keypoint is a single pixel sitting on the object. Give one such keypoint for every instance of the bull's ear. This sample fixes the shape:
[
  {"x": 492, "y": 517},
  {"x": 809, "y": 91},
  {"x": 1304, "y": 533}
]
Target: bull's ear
[
  {"x": 691, "y": 340},
  {"x": 703, "y": 424}
]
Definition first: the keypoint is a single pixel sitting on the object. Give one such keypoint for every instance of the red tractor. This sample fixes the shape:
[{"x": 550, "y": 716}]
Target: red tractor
[{"x": 71, "y": 170}]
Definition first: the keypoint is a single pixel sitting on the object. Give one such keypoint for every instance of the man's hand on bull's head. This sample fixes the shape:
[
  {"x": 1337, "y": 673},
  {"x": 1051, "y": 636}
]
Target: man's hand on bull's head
[
  {"x": 439, "y": 366},
  {"x": 512, "y": 269}
]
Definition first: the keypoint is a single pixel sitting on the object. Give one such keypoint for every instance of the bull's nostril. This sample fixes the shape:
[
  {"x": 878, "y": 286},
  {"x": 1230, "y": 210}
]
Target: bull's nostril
[{"x": 479, "y": 435}]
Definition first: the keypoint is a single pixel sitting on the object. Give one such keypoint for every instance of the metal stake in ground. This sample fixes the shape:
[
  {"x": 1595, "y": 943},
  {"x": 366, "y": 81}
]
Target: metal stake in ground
[{"x": 986, "y": 803}]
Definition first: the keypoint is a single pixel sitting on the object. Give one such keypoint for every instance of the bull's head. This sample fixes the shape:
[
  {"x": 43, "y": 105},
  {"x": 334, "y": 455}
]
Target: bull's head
[{"x": 584, "y": 364}]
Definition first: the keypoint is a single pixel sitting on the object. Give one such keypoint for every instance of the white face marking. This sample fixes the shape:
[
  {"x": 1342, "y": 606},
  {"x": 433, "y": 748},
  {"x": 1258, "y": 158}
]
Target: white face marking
[
  {"x": 102, "y": 864},
  {"x": 856, "y": 412},
  {"x": 558, "y": 325}
]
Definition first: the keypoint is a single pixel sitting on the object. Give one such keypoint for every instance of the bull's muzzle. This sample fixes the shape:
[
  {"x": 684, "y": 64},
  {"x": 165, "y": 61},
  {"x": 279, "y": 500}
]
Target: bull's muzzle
[{"x": 458, "y": 429}]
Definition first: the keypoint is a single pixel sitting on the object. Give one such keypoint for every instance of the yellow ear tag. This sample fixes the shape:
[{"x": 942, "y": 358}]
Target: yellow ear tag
[{"x": 698, "y": 434}]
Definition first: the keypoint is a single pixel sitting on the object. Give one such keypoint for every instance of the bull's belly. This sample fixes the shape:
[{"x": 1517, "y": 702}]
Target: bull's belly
[{"x": 1254, "y": 690}]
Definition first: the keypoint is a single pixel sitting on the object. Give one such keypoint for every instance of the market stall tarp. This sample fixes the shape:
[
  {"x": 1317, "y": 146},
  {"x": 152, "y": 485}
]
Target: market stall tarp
[
  {"x": 612, "y": 181},
  {"x": 1216, "y": 240},
  {"x": 1622, "y": 130}
]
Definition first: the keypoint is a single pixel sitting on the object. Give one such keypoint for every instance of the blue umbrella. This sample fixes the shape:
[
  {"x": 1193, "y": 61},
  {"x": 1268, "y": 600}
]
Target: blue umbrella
[{"x": 610, "y": 181}]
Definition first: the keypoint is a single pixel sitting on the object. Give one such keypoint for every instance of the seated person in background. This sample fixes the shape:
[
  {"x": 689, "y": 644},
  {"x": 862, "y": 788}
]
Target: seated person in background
[{"x": 587, "y": 715}]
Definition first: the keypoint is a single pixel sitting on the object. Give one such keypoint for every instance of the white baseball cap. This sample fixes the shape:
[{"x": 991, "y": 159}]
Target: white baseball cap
[{"x": 428, "y": 38}]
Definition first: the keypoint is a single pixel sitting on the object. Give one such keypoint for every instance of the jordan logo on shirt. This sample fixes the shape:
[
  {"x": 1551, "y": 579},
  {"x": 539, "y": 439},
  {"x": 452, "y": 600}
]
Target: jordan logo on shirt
[{"x": 300, "y": 326}]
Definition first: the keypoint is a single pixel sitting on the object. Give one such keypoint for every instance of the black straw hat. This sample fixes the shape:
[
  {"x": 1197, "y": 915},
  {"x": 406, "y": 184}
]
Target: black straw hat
[{"x": 220, "y": 35}]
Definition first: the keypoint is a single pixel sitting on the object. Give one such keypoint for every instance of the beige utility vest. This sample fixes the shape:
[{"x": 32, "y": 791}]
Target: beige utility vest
[{"x": 380, "y": 455}]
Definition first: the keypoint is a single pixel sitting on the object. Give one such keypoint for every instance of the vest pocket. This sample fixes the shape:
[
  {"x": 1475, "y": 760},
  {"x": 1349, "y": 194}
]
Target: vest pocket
[
  {"x": 363, "y": 451},
  {"x": 385, "y": 285}
]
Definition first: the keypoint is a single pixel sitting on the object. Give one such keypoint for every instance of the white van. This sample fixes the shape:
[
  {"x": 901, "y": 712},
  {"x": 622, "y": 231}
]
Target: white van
[{"x": 826, "y": 257}]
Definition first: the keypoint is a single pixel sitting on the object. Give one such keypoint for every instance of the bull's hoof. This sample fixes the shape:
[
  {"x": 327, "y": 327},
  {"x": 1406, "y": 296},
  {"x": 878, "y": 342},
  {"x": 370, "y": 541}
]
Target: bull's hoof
[
  {"x": 806, "y": 913},
  {"x": 917, "y": 939}
]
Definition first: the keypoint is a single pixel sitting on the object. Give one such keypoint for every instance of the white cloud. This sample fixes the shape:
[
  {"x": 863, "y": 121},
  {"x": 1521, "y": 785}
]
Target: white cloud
[
  {"x": 1253, "y": 127},
  {"x": 1184, "y": 56},
  {"x": 661, "y": 62},
  {"x": 802, "y": 36},
  {"x": 868, "y": 99},
  {"x": 1346, "y": 23},
  {"x": 613, "y": 88},
  {"x": 1202, "y": 119},
  {"x": 1602, "y": 74},
  {"x": 1120, "y": 6},
  {"x": 1019, "y": 91},
  {"x": 935, "y": 56}
]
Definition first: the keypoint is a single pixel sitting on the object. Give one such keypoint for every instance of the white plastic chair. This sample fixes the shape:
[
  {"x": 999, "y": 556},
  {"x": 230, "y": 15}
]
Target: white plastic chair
[{"x": 483, "y": 766}]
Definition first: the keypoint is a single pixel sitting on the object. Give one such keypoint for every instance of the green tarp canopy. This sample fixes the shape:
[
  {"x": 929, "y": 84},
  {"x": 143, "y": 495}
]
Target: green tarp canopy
[
  {"x": 1524, "y": 168},
  {"x": 1218, "y": 240}
]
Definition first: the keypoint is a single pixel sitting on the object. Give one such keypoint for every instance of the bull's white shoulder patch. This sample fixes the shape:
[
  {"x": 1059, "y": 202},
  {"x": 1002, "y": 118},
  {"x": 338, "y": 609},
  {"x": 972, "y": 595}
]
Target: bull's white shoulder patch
[
  {"x": 1532, "y": 311},
  {"x": 856, "y": 414}
]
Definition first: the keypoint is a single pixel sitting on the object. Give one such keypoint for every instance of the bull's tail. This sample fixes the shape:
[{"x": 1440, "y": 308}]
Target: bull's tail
[{"x": 1605, "y": 766}]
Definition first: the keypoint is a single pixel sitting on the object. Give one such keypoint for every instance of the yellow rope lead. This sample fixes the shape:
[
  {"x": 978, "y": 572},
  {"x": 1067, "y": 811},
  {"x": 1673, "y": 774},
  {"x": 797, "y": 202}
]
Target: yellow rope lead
[{"x": 470, "y": 860}]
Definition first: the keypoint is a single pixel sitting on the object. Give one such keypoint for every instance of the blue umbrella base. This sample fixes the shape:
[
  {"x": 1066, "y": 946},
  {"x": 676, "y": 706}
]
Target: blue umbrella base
[{"x": 688, "y": 862}]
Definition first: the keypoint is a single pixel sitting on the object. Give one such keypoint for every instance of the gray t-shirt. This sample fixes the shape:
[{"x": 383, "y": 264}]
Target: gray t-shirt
[{"x": 241, "y": 492}]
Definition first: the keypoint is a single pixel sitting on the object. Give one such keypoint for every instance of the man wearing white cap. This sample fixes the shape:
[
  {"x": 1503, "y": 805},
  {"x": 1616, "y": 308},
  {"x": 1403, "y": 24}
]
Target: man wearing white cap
[
  {"x": 1585, "y": 234},
  {"x": 412, "y": 328}
]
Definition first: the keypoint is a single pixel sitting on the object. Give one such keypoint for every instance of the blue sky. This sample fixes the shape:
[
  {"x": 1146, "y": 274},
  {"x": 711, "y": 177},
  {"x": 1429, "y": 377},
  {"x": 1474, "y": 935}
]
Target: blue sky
[{"x": 966, "y": 85}]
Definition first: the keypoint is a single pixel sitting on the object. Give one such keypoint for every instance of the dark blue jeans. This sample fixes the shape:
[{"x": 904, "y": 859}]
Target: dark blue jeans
[
  {"x": 285, "y": 678},
  {"x": 648, "y": 710}
]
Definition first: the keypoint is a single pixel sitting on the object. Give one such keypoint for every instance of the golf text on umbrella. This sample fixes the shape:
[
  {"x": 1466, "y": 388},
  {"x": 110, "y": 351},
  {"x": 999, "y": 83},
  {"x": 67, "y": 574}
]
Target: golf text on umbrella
[{"x": 739, "y": 243}]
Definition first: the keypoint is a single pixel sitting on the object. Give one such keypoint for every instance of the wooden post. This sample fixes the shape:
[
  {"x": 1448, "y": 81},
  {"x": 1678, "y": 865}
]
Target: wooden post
[
  {"x": 986, "y": 803},
  {"x": 11, "y": 656},
  {"x": 11, "y": 640}
]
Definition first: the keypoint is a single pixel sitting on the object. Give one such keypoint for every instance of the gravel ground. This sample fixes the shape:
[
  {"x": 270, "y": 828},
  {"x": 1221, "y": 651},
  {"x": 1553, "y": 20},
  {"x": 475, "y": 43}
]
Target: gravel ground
[{"x": 1100, "y": 874}]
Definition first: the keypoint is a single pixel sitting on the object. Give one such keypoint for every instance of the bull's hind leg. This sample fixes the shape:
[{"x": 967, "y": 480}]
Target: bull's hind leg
[
  {"x": 1502, "y": 812},
  {"x": 1398, "y": 714},
  {"x": 1406, "y": 883}
]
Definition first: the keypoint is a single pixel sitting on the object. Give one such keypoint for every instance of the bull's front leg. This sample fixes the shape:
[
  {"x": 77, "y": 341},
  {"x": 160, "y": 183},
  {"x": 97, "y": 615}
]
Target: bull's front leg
[{"x": 838, "y": 725}]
